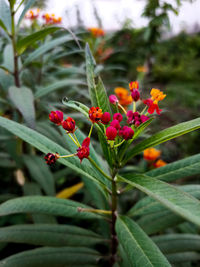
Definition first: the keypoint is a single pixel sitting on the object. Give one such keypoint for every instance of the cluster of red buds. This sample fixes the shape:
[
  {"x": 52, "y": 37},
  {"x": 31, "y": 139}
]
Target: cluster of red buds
[
  {"x": 49, "y": 19},
  {"x": 117, "y": 130}
]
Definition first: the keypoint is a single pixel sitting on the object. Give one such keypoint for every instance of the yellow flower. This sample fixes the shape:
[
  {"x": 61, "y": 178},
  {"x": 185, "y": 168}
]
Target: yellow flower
[{"x": 156, "y": 95}]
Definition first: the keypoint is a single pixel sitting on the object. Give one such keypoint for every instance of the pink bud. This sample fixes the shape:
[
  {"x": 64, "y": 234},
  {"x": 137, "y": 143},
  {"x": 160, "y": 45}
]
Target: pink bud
[
  {"x": 135, "y": 95},
  {"x": 118, "y": 116},
  {"x": 144, "y": 118},
  {"x": 113, "y": 99},
  {"x": 105, "y": 118},
  {"x": 127, "y": 132},
  {"x": 115, "y": 124},
  {"x": 111, "y": 133}
]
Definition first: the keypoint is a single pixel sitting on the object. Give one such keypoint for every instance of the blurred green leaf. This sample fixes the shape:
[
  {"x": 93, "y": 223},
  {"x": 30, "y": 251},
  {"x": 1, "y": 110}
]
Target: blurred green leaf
[
  {"x": 163, "y": 136},
  {"x": 53, "y": 257},
  {"x": 49, "y": 235},
  {"x": 5, "y": 15},
  {"x": 46, "y": 205},
  {"x": 30, "y": 39},
  {"x": 171, "y": 197},
  {"x": 26, "y": 8},
  {"x": 183, "y": 257},
  {"x": 138, "y": 247},
  {"x": 23, "y": 100}
]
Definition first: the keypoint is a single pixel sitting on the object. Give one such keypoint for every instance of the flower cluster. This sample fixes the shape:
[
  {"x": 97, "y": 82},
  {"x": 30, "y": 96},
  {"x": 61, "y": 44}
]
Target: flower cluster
[
  {"x": 152, "y": 155},
  {"x": 49, "y": 19},
  {"x": 96, "y": 32}
]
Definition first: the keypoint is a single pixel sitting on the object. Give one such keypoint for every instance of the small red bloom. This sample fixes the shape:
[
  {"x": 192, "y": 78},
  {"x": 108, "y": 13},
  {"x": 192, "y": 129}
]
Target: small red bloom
[
  {"x": 135, "y": 95},
  {"x": 126, "y": 132},
  {"x": 105, "y": 118},
  {"x": 51, "y": 158},
  {"x": 111, "y": 133},
  {"x": 95, "y": 114},
  {"x": 115, "y": 124},
  {"x": 113, "y": 99},
  {"x": 134, "y": 85},
  {"x": 56, "y": 117},
  {"x": 152, "y": 106},
  {"x": 84, "y": 150},
  {"x": 69, "y": 125},
  {"x": 118, "y": 116}
]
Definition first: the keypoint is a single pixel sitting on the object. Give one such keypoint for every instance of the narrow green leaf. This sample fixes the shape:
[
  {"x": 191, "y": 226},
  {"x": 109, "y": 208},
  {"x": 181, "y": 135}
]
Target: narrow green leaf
[
  {"x": 163, "y": 136},
  {"x": 179, "y": 169},
  {"x": 172, "y": 243},
  {"x": 171, "y": 197},
  {"x": 49, "y": 235},
  {"x": 140, "y": 249},
  {"x": 40, "y": 172},
  {"x": 46, "y": 205},
  {"x": 46, "y": 145},
  {"x": 23, "y": 100},
  {"x": 46, "y": 47},
  {"x": 5, "y": 14},
  {"x": 3, "y": 26},
  {"x": 24, "y": 43},
  {"x": 42, "y": 91},
  {"x": 26, "y": 8},
  {"x": 183, "y": 257},
  {"x": 53, "y": 257}
]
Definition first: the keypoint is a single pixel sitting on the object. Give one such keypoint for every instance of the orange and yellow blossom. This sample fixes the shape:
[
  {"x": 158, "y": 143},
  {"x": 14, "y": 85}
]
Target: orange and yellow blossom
[
  {"x": 159, "y": 163},
  {"x": 96, "y": 32},
  {"x": 124, "y": 96},
  {"x": 151, "y": 154},
  {"x": 157, "y": 95}
]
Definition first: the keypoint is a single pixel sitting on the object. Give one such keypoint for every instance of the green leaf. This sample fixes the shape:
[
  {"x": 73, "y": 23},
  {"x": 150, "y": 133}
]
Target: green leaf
[
  {"x": 149, "y": 205},
  {"x": 163, "y": 136},
  {"x": 171, "y": 197},
  {"x": 53, "y": 257},
  {"x": 23, "y": 44},
  {"x": 46, "y": 205},
  {"x": 46, "y": 47},
  {"x": 23, "y": 100},
  {"x": 97, "y": 92},
  {"x": 183, "y": 257},
  {"x": 179, "y": 169},
  {"x": 5, "y": 15},
  {"x": 140, "y": 249},
  {"x": 46, "y": 145},
  {"x": 26, "y": 8},
  {"x": 40, "y": 172},
  {"x": 49, "y": 235},
  {"x": 172, "y": 243},
  {"x": 42, "y": 91}
]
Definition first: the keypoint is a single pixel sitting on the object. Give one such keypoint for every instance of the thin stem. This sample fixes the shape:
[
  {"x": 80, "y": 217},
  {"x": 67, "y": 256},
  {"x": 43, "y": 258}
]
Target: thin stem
[
  {"x": 67, "y": 156},
  {"x": 94, "y": 211},
  {"x": 15, "y": 54},
  {"x": 76, "y": 140},
  {"x": 114, "y": 241},
  {"x": 119, "y": 143},
  {"x": 73, "y": 140},
  {"x": 134, "y": 106},
  {"x": 143, "y": 110},
  {"x": 91, "y": 130},
  {"x": 99, "y": 169},
  {"x": 122, "y": 108}
]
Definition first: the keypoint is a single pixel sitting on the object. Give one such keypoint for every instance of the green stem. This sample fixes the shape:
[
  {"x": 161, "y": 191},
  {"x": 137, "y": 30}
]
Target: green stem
[
  {"x": 91, "y": 130},
  {"x": 99, "y": 169},
  {"x": 73, "y": 140},
  {"x": 119, "y": 143},
  {"x": 143, "y": 110},
  {"x": 76, "y": 140},
  {"x": 123, "y": 109},
  {"x": 67, "y": 156},
  {"x": 134, "y": 106}
]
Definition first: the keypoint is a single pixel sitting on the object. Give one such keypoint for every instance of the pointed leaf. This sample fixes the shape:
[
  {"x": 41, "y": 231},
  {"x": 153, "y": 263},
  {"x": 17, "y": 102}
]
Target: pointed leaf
[
  {"x": 46, "y": 205},
  {"x": 140, "y": 249},
  {"x": 171, "y": 197},
  {"x": 163, "y": 136}
]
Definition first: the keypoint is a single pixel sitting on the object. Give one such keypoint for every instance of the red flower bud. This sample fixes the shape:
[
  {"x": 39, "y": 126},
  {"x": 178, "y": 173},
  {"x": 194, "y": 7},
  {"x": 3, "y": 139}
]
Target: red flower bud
[
  {"x": 118, "y": 116},
  {"x": 84, "y": 150},
  {"x": 135, "y": 95},
  {"x": 56, "y": 117},
  {"x": 51, "y": 158},
  {"x": 115, "y": 124},
  {"x": 113, "y": 99},
  {"x": 126, "y": 132},
  {"x": 95, "y": 114},
  {"x": 69, "y": 125},
  {"x": 105, "y": 118},
  {"x": 144, "y": 118},
  {"x": 111, "y": 133}
]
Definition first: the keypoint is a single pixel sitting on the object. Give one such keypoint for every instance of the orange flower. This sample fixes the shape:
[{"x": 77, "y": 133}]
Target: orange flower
[
  {"x": 51, "y": 19},
  {"x": 95, "y": 114},
  {"x": 156, "y": 95},
  {"x": 32, "y": 14},
  {"x": 96, "y": 32},
  {"x": 134, "y": 85},
  {"x": 151, "y": 154},
  {"x": 124, "y": 96},
  {"x": 159, "y": 163}
]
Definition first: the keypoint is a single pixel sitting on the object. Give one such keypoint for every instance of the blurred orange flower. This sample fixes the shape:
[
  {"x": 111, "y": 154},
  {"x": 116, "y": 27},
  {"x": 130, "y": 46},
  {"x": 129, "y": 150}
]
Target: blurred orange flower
[
  {"x": 51, "y": 19},
  {"x": 32, "y": 14},
  {"x": 159, "y": 163},
  {"x": 141, "y": 69},
  {"x": 151, "y": 154},
  {"x": 96, "y": 32},
  {"x": 124, "y": 96},
  {"x": 156, "y": 95}
]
